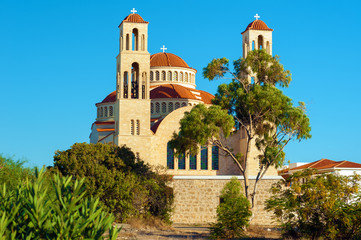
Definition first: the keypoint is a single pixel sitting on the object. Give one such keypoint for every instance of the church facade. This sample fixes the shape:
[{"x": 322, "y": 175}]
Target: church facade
[{"x": 152, "y": 94}]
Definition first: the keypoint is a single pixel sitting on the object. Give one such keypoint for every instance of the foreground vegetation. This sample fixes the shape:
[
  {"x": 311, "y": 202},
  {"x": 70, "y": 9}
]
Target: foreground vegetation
[{"x": 318, "y": 206}]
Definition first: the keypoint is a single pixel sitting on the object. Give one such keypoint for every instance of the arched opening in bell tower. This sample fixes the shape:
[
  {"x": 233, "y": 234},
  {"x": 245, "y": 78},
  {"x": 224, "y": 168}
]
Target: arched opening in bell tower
[
  {"x": 135, "y": 40},
  {"x": 127, "y": 42},
  {"x": 260, "y": 42},
  {"x": 135, "y": 80},
  {"x": 144, "y": 80}
]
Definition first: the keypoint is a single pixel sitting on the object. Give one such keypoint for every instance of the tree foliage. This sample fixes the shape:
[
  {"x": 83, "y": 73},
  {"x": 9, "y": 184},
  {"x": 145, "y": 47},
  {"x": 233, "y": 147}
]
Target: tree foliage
[
  {"x": 323, "y": 206},
  {"x": 127, "y": 186},
  {"x": 29, "y": 212},
  {"x": 233, "y": 212},
  {"x": 257, "y": 106}
]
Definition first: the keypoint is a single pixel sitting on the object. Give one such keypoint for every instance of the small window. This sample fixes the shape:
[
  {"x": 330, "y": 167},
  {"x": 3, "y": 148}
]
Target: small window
[
  {"x": 177, "y": 105},
  {"x": 157, "y": 75},
  {"x": 98, "y": 112},
  {"x": 151, "y": 108},
  {"x": 170, "y": 157},
  {"x": 186, "y": 77},
  {"x": 182, "y": 161},
  {"x": 151, "y": 75},
  {"x": 106, "y": 112},
  {"x": 193, "y": 162},
  {"x": 204, "y": 158},
  {"x": 169, "y": 77},
  {"x": 132, "y": 127},
  {"x": 170, "y": 107},
  {"x": 181, "y": 76},
  {"x": 101, "y": 112},
  {"x": 175, "y": 78},
  {"x": 164, "y": 107},
  {"x": 111, "y": 111},
  {"x": 184, "y": 104},
  {"x": 157, "y": 107},
  {"x": 138, "y": 127},
  {"x": 163, "y": 75},
  {"x": 215, "y": 158}
]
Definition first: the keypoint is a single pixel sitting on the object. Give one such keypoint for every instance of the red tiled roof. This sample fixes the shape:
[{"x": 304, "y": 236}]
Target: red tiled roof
[
  {"x": 179, "y": 91},
  {"x": 317, "y": 164},
  {"x": 257, "y": 25},
  {"x": 326, "y": 163},
  {"x": 134, "y": 17},
  {"x": 110, "y": 98},
  {"x": 167, "y": 60},
  {"x": 342, "y": 164}
]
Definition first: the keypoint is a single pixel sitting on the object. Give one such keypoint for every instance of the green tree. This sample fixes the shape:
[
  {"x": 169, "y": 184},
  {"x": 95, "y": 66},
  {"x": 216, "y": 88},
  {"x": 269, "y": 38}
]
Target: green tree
[
  {"x": 126, "y": 185},
  {"x": 233, "y": 212},
  {"x": 29, "y": 212},
  {"x": 255, "y": 105},
  {"x": 318, "y": 206}
]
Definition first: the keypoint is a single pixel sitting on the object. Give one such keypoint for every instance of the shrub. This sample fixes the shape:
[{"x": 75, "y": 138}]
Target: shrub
[
  {"x": 123, "y": 183},
  {"x": 29, "y": 213},
  {"x": 318, "y": 205},
  {"x": 233, "y": 212}
]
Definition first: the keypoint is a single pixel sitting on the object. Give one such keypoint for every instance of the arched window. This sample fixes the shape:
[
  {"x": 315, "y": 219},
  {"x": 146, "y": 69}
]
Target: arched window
[
  {"x": 110, "y": 111},
  {"x": 127, "y": 42},
  {"x": 101, "y": 112},
  {"x": 125, "y": 83},
  {"x": 170, "y": 157},
  {"x": 151, "y": 75},
  {"x": 106, "y": 112},
  {"x": 169, "y": 77},
  {"x": 184, "y": 104},
  {"x": 132, "y": 127},
  {"x": 189, "y": 104},
  {"x": 135, "y": 40},
  {"x": 157, "y": 107},
  {"x": 138, "y": 127},
  {"x": 164, "y": 107},
  {"x": 152, "y": 108},
  {"x": 157, "y": 75},
  {"x": 260, "y": 42},
  {"x": 181, "y": 76},
  {"x": 135, "y": 80},
  {"x": 215, "y": 158},
  {"x": 204, "y": 158},
  {"x": 182, "y": 161},
  {"x": 193, "y": 162},
  {"x": 170, "y": 107},
  {"x": 186, "y": 77},
  {"x": 163, "y": 75},
  {"x": 175, "y": 78},
  {"x": 177, "y": 105}
]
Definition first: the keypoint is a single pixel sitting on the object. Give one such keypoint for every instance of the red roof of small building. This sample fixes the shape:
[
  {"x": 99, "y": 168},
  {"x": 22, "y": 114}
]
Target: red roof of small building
[
  {"x": 167, "y": 60},
  {"x": 134, "y": 17},
  {"x": 257, "y": 25},
  {"x": 326, "y": 163},
  {"x": 179, "y": 91}
]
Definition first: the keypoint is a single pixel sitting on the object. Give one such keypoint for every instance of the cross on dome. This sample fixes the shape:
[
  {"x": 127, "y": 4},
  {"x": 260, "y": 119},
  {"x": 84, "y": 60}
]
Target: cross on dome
[
  {"x": 163, "y": 48},
  {"x": 133, "y": 10},
  {"x": 257, "y": 16}
]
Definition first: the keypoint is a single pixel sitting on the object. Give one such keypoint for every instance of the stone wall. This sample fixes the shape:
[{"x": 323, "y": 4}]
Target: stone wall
[{"x": 197, "y": 198}]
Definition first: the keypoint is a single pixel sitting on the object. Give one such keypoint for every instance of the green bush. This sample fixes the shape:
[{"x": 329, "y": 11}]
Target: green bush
[
  {"x": 29, "y": 213},
  {"x": 13, "y": 172},
  {"x": 318, "y": 206},
  {"x": 233, "y": 212},
  {"x": 123, "y": 183}
]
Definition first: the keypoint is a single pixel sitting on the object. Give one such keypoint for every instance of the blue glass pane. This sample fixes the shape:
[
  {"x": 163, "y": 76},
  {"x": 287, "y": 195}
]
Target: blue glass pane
[
  {"x": 182, "y": 161},
  {"x": 170, "y": 157},
  {"x": 215, "y": 158},
  {"x": 193, "y": 162},
  {"x": 204, "y": 158}
]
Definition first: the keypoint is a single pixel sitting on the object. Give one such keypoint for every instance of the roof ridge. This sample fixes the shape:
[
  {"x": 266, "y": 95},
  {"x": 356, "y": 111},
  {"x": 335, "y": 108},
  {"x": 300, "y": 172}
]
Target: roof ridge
[
  {"x": 339, "y": 163},
  {"x": 318, "y": 161},
  {"x": 168, "y": 59}
]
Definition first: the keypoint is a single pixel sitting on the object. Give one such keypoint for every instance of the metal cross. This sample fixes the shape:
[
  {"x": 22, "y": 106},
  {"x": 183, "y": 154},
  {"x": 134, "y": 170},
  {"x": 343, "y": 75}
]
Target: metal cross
[
  {"x": 163, "y": 48},
  {"x": 133, "y": 10},
  {"x": 257, "y": 16}
]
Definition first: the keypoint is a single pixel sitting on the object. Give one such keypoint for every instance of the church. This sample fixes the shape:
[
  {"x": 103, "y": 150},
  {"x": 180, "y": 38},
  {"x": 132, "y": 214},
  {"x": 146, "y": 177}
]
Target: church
[{"x": 152, "y": 94}]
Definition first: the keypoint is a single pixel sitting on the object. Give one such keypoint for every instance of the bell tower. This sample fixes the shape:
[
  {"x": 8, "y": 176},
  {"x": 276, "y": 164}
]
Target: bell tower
[
  {"x": 132, "y": 115},
  {"x": 257, "y": 36}
]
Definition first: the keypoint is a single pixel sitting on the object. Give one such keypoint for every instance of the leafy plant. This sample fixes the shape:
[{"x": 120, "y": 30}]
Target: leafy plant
[
  {"x": 317, "y": 206},
  {"x": 29, "y": 213},
  {"x": 233, "y": 212}
]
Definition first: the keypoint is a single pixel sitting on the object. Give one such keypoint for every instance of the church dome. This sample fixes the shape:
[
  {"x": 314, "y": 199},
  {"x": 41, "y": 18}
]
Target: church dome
[
  {"x": 136, "y": 18},
  {"x": 167, "y": 60},
  {"x": 257, "y": 25},
  {"x": 179, "y": 91},
  {"x": 110, "y": 98}
]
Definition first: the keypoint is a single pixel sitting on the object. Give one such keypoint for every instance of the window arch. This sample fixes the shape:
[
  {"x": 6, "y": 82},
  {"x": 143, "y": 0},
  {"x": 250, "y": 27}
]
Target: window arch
[
  {"x": 260, "y": 42},
  {"x": 169, "y": 77},
  {"x": 184, "y": 104},
  {"x": 135, "y": 40},
  {"x": 135, "y": 80},
  {"x": 181, "y": 76},
  {"x": 105, "y": 111},
  {"x": 164, "y": 107},
  {"x": 101, "y": 112},
  {"x": 186, "y": 77},
  {"x": 177, "y": 105},
  {"x": 175, "y": 78},
  {"x": 157, "y": 107},
  {"x": 110, "y": 111},
  {"x": 157, "y": 75},
  {"x": 151, "y": 75},
  {"x": 163, "y": 75},
  {"x": 170, "y": 157},
  {"x": 170, "y": 107}
]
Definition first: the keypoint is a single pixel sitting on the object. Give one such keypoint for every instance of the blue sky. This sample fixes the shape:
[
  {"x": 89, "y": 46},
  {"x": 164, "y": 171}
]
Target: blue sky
[{"x": 57, "y": 60}]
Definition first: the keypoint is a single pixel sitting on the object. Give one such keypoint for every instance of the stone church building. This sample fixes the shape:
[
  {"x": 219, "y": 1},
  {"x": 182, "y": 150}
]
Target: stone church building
[{"x": 152, "y": 94}]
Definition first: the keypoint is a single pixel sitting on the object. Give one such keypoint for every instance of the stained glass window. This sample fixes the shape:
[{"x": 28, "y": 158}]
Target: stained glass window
[
  {"x": 204, "y": 158},
  {"x": 215, "y": 158},
  {"x": 182, "y": 161},
  {"x": 193, "y": 162},
  {"x": 170, "y": 157}
]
